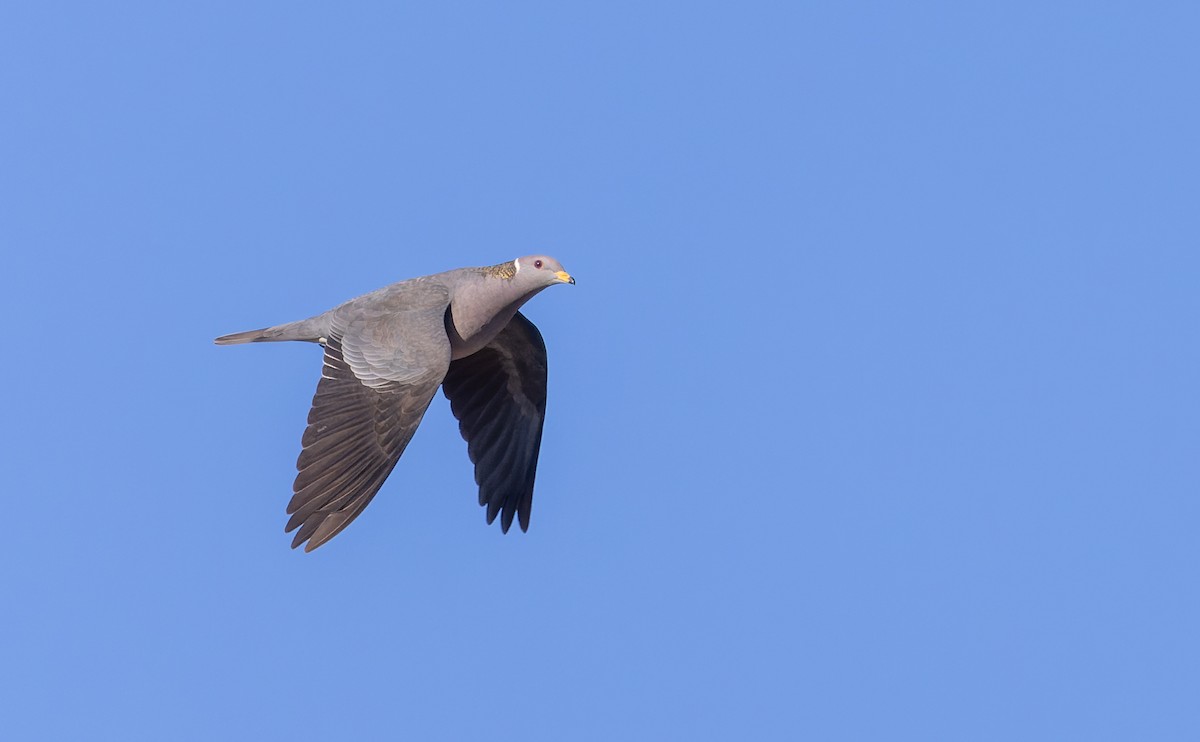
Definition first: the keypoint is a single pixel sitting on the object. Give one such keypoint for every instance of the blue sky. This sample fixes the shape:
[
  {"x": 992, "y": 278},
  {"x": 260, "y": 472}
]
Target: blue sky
[{"x": 874, "y": 414}]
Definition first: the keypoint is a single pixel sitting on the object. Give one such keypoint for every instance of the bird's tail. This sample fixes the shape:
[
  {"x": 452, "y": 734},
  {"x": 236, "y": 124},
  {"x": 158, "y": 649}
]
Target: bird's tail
[
  {"x": 307, "y": 330},
  {"x": 250, "y": 336}
]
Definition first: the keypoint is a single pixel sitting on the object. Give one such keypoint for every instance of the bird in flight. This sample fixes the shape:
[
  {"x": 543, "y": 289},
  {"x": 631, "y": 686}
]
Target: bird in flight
[{"x": 386, "y": 353}]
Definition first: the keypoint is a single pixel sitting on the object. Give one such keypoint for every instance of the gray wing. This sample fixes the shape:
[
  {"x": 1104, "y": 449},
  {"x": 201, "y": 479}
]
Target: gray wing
[
  {"x": 498, "y": 395},
  {"x": 381, "y": 371}
]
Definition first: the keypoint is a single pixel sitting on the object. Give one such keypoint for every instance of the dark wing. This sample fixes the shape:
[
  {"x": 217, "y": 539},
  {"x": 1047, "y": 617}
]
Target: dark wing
[
  {"x": 498, "y": 395},
  {"x": 379, "y": 376}
]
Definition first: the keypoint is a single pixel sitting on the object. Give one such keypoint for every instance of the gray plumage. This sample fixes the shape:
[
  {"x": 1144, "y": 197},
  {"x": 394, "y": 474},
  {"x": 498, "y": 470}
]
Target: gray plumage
[{"x": 386, "y": 353}]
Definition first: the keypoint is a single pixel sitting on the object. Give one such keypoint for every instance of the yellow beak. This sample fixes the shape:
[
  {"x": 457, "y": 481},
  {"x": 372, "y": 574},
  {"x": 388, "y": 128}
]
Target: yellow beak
[{"x": 565, "y": 277}]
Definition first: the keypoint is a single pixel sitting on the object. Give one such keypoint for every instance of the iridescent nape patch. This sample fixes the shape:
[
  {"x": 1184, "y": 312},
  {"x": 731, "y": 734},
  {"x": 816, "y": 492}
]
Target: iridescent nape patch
[{"x": 501, "y": 270}]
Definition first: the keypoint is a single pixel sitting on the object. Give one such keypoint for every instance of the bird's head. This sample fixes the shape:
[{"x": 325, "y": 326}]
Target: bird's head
[{"x": 541, "y": 271}]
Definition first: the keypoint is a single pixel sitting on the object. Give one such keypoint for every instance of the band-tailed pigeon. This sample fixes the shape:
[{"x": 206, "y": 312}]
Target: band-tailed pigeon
[{"x": 386, "y": 353}]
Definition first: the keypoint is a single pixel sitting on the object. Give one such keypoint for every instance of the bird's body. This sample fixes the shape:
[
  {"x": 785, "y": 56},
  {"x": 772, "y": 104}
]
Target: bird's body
[{"x": 386, "y": 353}]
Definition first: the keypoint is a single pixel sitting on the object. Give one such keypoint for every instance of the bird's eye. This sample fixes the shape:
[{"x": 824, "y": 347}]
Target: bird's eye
[{"x": 537, "y": 264}]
